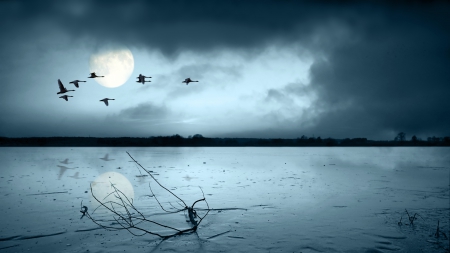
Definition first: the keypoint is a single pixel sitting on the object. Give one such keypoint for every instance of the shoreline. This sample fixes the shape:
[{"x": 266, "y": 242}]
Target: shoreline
[{"x": 178, "y": 141}]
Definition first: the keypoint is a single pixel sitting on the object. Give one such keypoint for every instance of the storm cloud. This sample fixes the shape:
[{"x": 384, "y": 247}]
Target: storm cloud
[{"x": 266, "y": 68}]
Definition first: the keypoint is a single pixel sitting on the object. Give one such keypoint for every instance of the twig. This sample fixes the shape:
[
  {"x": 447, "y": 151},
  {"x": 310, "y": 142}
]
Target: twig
[
  {"x": 438, "y": 232},
  {"x": 148, "y": 172},
  {"x": 130, "y": 217},
  {"x": 413, "y": 218},
  {"x": 400, "y": 222}
]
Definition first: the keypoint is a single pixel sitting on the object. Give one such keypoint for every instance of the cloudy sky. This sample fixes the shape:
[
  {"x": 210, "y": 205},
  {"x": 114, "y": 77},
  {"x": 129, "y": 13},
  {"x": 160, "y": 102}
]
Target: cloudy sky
[{"x": 266, "y": 69}]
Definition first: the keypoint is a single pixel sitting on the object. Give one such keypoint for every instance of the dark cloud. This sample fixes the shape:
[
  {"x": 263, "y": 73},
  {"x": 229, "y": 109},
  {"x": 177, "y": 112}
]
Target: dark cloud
[
  {"x": 379, "y": 67},
  {"x": 171, "y": 26},
  {"x": 392, "y": 79}
]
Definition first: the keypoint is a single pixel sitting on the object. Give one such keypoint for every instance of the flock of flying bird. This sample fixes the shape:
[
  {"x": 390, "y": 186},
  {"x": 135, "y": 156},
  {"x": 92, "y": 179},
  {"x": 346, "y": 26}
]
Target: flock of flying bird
[{"x": 141, "y": 79}]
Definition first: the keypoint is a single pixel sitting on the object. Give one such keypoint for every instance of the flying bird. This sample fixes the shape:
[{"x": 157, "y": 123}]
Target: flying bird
[
  {"x": 141, "y": 79},
  {"x": 106, "y": 100},
  {"x": 188, "y": 80},
  {"x": 62, "y": 89},
  {"x": 93, "y": 75},
  {"x": 75, "y": 82},
  {"x": 65, "y": 97}
]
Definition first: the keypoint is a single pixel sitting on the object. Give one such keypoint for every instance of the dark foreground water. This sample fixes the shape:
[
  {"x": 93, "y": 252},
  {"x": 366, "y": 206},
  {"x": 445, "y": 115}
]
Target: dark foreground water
[{"x": 263, "y": 199}]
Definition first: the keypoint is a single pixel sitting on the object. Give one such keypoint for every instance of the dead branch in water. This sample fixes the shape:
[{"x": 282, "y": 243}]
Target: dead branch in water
[
  {"x": 439, "y": 232},
  {"x": 128, "y": 217},
  {"x": 413, "y": 218}
]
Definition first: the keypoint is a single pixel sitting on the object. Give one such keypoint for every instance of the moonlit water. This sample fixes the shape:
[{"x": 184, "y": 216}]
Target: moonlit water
[{"x": 281, "y": 199}]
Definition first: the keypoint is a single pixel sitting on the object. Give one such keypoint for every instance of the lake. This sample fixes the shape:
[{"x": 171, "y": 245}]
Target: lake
[{"x": 262, "y": 199}]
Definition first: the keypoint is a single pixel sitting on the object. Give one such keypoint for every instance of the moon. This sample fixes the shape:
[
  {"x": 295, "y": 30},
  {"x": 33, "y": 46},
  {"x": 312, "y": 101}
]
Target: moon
[
  {"x": 102, "y": 189},
  {"x": 116, "y": 65}
]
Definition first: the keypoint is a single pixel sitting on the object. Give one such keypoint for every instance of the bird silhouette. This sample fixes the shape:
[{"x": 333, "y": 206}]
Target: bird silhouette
[
  {"x": 62, "y": 89},
  {"x": 106, "y": 100},
  {"x": 188, "y": 80},
  {"x": 141, "y": 79},
  {"x": 93, "y": 75},
  {"x": 75, "y": 82},
  {"x": 65, "y": 97}
]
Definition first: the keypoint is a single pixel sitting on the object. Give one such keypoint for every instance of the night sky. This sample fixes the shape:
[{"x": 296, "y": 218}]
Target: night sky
[{"x": 266, "y": 69}]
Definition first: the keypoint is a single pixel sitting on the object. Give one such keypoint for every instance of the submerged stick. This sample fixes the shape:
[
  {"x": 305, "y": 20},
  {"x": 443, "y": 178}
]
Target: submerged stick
[
  {"x": 46, "y": 193},
  {"x": 438, "y": 232}
]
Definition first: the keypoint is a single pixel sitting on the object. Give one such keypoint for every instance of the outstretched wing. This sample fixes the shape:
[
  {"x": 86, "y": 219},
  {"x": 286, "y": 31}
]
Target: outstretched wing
[
  {"x": 61, "y": 86},
  {"x": 75, "y": 83},
  {"x": 106, "y": 102}
]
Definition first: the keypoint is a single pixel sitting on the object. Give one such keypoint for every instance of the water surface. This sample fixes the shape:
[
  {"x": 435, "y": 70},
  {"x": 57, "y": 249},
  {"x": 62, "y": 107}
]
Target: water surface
[{"x": 298, "y": 199}]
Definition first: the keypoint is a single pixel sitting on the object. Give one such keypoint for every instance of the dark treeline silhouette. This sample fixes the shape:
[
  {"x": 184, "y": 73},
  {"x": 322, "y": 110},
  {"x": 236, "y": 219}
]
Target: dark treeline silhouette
[{"x": 198, "y": 140}]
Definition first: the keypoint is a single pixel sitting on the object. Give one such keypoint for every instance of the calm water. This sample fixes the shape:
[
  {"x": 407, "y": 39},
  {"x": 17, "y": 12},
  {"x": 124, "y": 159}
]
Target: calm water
[{"x": 267, "y": 199}]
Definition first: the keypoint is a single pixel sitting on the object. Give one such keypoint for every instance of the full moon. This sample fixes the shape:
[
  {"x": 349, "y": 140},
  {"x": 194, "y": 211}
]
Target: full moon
[
  {"x": 102, "y": 189},
  {"x": 115, "y": 65}
]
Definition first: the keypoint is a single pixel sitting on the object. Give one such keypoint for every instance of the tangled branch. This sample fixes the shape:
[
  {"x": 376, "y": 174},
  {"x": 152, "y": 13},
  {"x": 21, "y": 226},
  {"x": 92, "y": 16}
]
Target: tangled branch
[{"x": 127, "y": 217}]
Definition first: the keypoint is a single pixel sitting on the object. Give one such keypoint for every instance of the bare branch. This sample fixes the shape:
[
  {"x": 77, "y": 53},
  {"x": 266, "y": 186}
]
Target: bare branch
[
  {"x": 129, "y": 218},
  {"x": 148, "y": 172}
]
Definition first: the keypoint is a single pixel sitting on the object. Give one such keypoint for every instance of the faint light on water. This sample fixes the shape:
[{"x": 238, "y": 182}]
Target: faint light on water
[{"x": 102, "y": 188}]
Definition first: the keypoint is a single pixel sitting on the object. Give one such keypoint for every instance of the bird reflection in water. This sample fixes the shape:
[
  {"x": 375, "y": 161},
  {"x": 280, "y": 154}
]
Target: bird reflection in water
[
  {"x": 65, "y": 161},
  {"x": 76, "y": 176},
  {"x": 106, "y": 158},
  {"x": 63, "y": 169},
  {"x": 141, "y": 180},
  {"x": 188, "y": 178}
]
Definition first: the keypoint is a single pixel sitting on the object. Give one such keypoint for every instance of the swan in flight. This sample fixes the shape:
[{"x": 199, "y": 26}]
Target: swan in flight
[
  {"x": 93, "y": 75},
  {"x": 188, "y": 80},
  {"x": 62, "y": 89},
  {"x": 106, "y": 100},
  {"x": 75, "y": 82},
  {"x": 141, "y": 79},
  {"x": 65, "y": 97}
]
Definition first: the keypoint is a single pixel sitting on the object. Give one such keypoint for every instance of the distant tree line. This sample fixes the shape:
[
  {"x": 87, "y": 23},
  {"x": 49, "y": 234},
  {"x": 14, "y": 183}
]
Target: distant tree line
[{"x": 198, "y": 140}]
